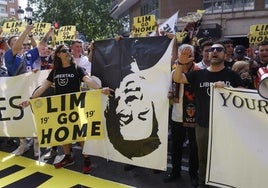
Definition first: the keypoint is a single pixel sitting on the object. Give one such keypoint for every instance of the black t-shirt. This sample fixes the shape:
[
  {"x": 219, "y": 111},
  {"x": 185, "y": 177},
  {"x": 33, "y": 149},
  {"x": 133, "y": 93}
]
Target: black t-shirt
[
  {"x": 229, "y": 64},
  {"x": 67, "y": 79},
  {"x": 201, "y": 80}
]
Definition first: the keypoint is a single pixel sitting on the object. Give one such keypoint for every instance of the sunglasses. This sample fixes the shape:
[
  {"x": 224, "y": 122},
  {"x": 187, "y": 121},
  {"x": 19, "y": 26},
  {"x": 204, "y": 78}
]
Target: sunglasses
[
  {"x": 65, "y": 50},
  {"x": 218, "y": 49}
]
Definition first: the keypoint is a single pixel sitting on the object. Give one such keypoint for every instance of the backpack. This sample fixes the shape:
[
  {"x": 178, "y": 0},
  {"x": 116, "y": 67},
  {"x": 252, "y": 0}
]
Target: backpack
[
  {"x": 22, "y": 66},
  {"x": 3, "y": 71}
]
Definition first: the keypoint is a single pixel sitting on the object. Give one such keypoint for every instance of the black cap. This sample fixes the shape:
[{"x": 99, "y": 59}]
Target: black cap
[{"x": 240, "y": 49}]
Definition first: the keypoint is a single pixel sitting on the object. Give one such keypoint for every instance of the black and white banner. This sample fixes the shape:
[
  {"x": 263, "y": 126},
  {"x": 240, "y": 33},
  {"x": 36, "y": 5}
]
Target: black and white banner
[{"x": 138, "y": 69}]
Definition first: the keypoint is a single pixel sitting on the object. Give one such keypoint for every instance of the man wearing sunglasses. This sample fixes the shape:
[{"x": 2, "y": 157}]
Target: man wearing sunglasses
[{"x": 217, "y": 75}]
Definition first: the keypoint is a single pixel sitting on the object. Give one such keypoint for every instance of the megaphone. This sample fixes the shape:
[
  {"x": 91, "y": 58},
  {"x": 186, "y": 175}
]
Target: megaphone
[{"x": 263, "y": 83}]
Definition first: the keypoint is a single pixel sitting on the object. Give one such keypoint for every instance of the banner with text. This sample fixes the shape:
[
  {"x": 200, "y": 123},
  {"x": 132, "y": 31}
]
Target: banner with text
[
  {"x": 238, "y": 138},
  {"x": 14, "y": 121},
  {"x": 68, "y": 118},
  {"x": 169, "y": 25}
]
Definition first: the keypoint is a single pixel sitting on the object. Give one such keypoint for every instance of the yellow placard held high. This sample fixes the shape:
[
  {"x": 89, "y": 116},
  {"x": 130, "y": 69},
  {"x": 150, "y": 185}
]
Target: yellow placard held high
[
  {"x": 144, "y": 24},
  {"x": 65, "y": 33},
  {"x": 258, "y": 33},
  {"x": 14, "y": 28},
  {"x": 40, "y": 29}
]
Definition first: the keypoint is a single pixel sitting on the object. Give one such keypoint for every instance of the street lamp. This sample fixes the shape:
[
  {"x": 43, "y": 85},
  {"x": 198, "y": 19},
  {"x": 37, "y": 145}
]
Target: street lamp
[
  {"x": 29, "y": 13},
  {"x": 20, "y": 12}
]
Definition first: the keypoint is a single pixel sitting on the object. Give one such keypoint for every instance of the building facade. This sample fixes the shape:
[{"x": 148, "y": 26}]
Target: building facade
[
  {"x": 223, "y": 18},
  {"x": 8, "y": 9}
]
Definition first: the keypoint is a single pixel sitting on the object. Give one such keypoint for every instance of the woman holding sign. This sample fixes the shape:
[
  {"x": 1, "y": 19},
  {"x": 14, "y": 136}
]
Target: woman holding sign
[{"x": 67, "y": 78}]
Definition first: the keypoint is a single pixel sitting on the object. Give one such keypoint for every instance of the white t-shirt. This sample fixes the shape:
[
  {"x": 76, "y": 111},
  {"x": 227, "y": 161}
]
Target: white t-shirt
[{"x": 82, "y": 61}]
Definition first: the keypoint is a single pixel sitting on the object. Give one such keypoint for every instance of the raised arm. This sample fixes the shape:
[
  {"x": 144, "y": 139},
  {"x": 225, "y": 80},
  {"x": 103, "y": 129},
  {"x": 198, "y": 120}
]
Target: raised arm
[
  {"x": 184, "y": 57},
  {"x": 17, "y": 46},
  {"x": 46, "y": 37}
]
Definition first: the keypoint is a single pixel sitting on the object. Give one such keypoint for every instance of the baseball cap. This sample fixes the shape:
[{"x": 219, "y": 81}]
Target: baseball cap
[{"x": 240, "y": 49}]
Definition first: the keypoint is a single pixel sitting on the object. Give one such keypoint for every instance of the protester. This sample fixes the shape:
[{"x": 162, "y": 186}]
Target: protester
[
  {"x": 229, "y": 46},
  {"x": 205, "y": 62},
  {"x": 240, "y": 53},
  {"x": 216, "y": 75},
  {"x": 79, "y": 58},
  {"x": 242, "y": 68},
  {"x": 18, "y": 62},
  {"x": 183, "y": 123},
  {"x": 64, "y": 66},
  {"x": 263, "y": 53},
  {"x": 262, "y": 61}
]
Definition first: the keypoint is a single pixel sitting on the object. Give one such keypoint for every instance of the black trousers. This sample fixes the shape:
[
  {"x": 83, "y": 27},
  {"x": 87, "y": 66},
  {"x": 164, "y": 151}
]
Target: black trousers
[{"x": 178, "y": 135}]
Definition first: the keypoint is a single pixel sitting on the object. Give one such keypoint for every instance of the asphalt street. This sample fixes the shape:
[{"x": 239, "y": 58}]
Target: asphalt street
[{"x": 114, "y": 171}]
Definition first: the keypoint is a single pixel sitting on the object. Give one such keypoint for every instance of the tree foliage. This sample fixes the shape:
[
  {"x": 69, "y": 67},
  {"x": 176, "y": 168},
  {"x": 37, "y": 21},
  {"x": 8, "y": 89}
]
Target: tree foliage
[{"x": 91, "y": 17}]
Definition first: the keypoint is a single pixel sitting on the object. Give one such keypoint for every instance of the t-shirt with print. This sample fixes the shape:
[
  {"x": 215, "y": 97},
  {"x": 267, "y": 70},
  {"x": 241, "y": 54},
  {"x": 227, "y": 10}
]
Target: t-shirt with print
[
  {"x": 67, "y": 79},
  {"x": 13, "y": 62},
  {"x": 201, "y": 80}
]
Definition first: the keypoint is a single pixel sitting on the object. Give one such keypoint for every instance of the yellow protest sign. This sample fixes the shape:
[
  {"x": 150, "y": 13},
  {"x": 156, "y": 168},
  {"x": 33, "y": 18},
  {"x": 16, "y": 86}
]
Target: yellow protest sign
[
  {"x": 65, "y": 33},
  {"x": 144, "y": 24},
  {"x": 258, "y": 33},
  {"x": 64, "y": 119},
  {"x": 180, "y": 36},
  {"x": 40, "y": 30},
  {"x": 14, "y": 28}
]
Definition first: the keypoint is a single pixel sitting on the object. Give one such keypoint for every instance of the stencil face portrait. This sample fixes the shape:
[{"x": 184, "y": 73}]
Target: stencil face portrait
[
  {"x": 131, "y": 120},
  {"x": 190, "y": 109}
]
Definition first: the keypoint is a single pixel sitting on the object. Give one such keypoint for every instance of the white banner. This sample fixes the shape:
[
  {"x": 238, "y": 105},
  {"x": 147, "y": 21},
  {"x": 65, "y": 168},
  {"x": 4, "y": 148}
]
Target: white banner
[
  {"x": 238, "y": 155},
  {"x": 14, "y": 121},
  {"x": 169, "y": 25}
]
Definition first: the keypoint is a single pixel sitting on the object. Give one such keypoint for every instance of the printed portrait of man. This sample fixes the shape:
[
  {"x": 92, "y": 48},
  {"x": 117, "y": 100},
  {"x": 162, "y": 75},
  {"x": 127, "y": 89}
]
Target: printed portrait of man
[{"x": 131, "y": 120}]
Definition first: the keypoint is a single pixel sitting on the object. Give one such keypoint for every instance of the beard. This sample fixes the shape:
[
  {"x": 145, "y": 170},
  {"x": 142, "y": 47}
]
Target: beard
[{"x": 216, "y": 61}]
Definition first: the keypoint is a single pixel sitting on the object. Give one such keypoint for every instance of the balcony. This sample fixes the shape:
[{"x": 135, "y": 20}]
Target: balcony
[
  {"x": 3, "y": 2},
  {"x": 119, "y": 7}
]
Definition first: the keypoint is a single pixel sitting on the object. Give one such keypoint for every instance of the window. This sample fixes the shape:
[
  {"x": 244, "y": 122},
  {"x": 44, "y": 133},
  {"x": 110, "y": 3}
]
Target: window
[
  {"x": 2, "y": 10},
  {"x": 266, "y": 3},
  {"x": 12, "y": 11},
  {"x": 219, "y": 6},
  {"x": 149, "y": 7}
]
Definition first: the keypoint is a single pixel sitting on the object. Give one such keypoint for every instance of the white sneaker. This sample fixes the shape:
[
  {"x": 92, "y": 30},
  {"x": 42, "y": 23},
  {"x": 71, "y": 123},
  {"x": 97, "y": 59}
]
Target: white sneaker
[
  {"x": 36, "y": 148},
  {"x": 52, "y": 153},
  {"x": 23, "y": 147}
]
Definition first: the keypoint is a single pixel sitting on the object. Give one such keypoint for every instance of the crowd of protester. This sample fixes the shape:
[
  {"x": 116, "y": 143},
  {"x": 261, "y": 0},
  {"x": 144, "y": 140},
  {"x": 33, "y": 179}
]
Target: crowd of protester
[{"x": 207, "y": 60}]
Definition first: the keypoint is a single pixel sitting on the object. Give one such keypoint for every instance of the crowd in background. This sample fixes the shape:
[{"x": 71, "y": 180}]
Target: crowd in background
[{"x": 184, "y": 109}]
